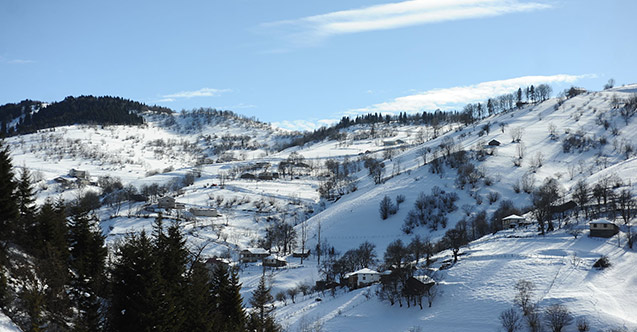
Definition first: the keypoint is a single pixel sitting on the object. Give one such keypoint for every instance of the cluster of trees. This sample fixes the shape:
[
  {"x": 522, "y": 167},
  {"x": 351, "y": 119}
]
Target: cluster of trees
[
  {"x": 376, "y": 169},
  {"x": 431, "y": 210},
  {"x": 402, "y": 260},
  {"x": 469, "y": 115},
  {"x": 388, "y": 207},
  {"x": 531, "y": 94},
  {"x": 607, "y": 197},
  {"x": 339, "y": 180},
  {"x": 579, "y": 141},
  {"x": 334, "y": 268},
  {"x": 11, "y": 111},
  {"x": 434, "y": 119},
  {"x": 195, "y": 119},
  {"x": 280, "y": 235},
  {"x": 156, "y": 283},
  {"x": 65, "y": 282},
  {"x": 555, "y": 317}
]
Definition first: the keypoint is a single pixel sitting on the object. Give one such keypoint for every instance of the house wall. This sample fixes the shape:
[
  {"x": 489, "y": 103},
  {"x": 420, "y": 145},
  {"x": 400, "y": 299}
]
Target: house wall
[
  {"x": 598, "y": 230},
  {"x": 366, "y": 279}
]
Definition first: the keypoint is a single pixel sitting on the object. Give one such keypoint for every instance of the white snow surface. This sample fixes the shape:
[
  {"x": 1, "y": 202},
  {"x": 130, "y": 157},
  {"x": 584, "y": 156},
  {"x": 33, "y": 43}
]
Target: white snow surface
[{"x": 6, "y": 325}]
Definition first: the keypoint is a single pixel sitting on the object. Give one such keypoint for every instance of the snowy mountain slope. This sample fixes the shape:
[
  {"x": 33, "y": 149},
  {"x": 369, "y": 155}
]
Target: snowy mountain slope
[
  {"x": 354, "y": 218},
  {"x": 248, "y": 207},
  {"x": 481, "y": 285}
]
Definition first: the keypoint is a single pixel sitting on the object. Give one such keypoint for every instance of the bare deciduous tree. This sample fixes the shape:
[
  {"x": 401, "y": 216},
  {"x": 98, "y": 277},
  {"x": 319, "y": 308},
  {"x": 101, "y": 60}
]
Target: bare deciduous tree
[
  {"x": 557, "y": 317},
  {"x": 524, "y": 295},
  {"x": 516, "y": 134},
  {"x": 510, "y": 320}
]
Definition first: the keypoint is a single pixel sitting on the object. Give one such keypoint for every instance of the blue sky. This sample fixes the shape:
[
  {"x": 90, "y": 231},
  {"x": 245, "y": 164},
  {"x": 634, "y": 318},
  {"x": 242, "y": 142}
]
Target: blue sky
[{"x": 300, "y": 64}]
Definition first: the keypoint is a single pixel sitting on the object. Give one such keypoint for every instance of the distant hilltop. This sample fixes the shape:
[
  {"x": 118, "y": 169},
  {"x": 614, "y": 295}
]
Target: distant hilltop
[{"x": 29, "y": 116}]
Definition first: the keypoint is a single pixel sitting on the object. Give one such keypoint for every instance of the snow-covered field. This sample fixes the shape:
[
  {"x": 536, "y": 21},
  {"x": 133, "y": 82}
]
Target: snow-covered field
[
  {"x": 481, "y": 285},
  {"x": 476, "y": 289}
]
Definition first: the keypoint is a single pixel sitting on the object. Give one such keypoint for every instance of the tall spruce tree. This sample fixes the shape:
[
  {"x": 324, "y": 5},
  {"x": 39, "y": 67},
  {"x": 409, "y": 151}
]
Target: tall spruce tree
[
  {"x": 261, "y": 319},
  {"x": 200, "y": 315},
  {"x": 8, "y": 208},
  {"x": 26, "y": 209},
  {"x": 52, "y": 254},
  {"x": 135, "y": 292},
  {"x": 172, "y": 257},
  {"x": 233, "y": 303},
  {"x": 87, "y": 259},
  {"x": 228, "y": 302}
]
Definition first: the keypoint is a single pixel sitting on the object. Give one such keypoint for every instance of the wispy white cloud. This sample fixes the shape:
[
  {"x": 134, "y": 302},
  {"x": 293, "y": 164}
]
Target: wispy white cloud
[
  {"x": 15, "y": 61},
  {"x": 314, "y": 29},
  {"x": 20, "y": 61},
  {"x": 204, "y": 92},
  {"x": 455, "y": 97}
]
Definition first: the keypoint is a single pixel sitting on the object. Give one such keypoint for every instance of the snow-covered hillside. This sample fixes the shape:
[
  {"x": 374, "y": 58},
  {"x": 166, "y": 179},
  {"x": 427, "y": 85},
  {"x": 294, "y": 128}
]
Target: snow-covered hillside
[
  {"x": 581, "y": 138},
  {"x": 481, "y": 285}
]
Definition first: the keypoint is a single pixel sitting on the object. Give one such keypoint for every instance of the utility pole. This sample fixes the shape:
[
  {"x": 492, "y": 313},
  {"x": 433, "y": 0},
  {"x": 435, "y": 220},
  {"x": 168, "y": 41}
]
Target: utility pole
[{"x": 318, "y": 245}]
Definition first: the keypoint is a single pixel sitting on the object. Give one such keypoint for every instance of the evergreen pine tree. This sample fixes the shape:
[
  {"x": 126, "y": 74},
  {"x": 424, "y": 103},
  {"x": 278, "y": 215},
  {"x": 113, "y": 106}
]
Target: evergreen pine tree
[
  {"x": 201, "y": 301},
  {"x": 52, "y": 253},
  {"x": 233, "y": 303},
  {"x": 172, "y": 257},
  {"x": 135, "y": 294},
  {"x": 26, "y": 209},
  {"x": 229, "y": 304},
  {"x": 260, "y": 318},
  {"x": 8, "y": 208},
  {"x": 88, "y": 257}
]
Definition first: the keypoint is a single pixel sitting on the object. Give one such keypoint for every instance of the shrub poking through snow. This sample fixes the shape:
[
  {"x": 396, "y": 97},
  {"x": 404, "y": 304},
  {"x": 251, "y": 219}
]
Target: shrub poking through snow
[{"x": 602, "y": 263}]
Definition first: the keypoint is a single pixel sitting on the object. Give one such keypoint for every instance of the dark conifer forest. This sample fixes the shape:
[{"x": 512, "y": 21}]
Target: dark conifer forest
[{"x": 29, "y": 116}]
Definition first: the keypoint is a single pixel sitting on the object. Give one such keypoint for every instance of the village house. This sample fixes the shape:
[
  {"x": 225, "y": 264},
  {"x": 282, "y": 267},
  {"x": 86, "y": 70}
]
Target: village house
[
  {"x": 166, "y": 202},
  {"x": 392, "y": 143},
  {"x": 299, "y": 254},
  {"x": 494, "y": 142},
  {"x": 603, "y": 228},
  {"x": 252, "y": 255},
  {"x": 362, "y": 278},
  {"x": 274, "y": 261},
  {"x": 513, "y": 221},
  {"x": 248, "y": 176},
  {"x": 64, "y": 181},
  {"x": 79, "y": 174}
]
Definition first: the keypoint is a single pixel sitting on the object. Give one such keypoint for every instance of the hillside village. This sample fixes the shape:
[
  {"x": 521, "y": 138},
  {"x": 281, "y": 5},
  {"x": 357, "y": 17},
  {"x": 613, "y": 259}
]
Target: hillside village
[{"x": 392, "y": 225}]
